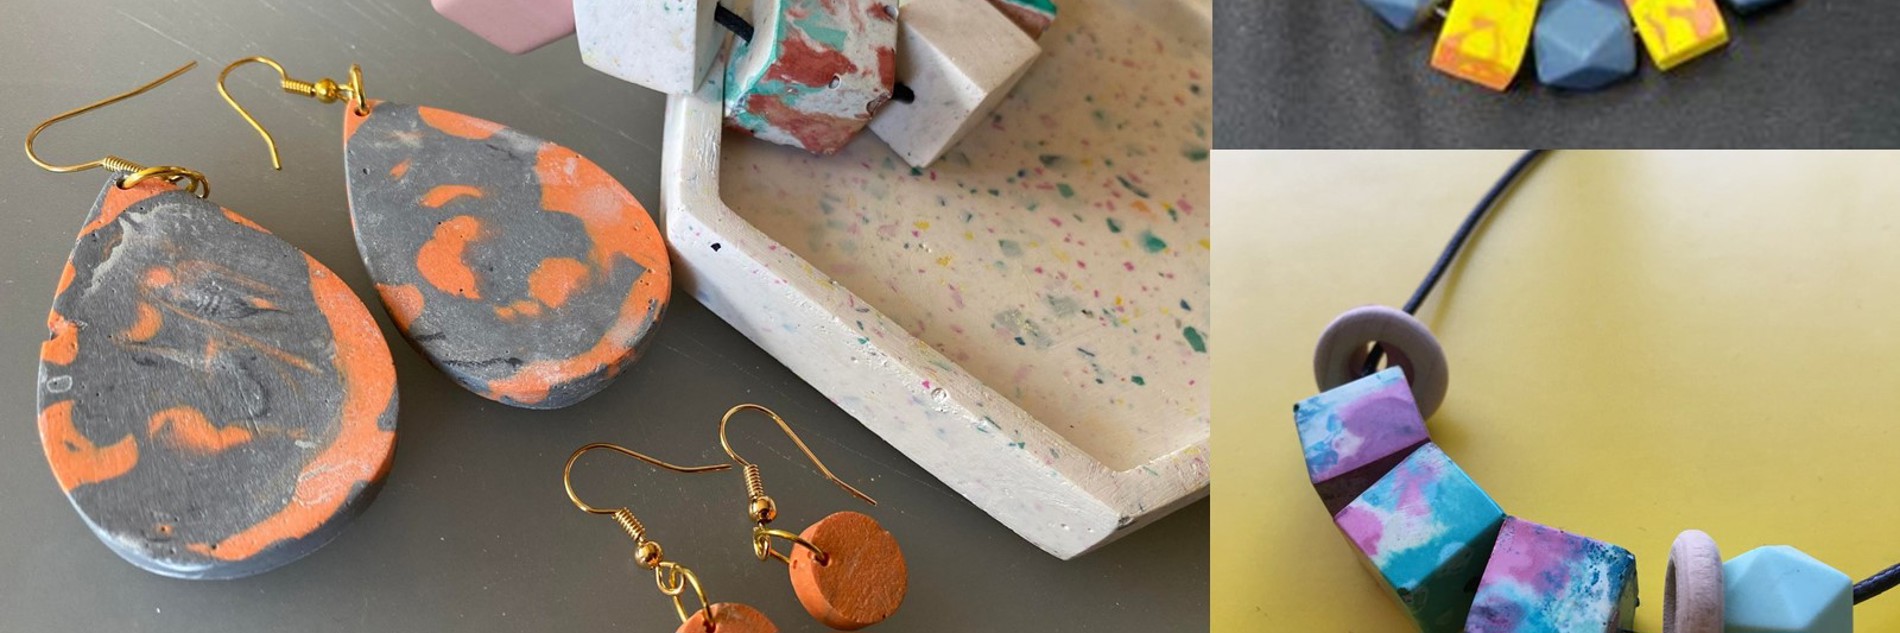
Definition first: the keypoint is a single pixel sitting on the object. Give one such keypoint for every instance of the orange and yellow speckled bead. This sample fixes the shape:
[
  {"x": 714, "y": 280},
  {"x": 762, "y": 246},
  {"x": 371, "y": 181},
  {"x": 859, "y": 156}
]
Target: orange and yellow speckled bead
[
  {"x": 1483, "y": 41},
  {"x": 1676, "y": 31}
]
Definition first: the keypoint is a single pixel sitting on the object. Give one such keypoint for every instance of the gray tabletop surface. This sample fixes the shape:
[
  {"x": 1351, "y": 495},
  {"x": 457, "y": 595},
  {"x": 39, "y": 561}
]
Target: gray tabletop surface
[
  {"x": 1327, "y": 73},
  {"x": 471, "y": 531}
]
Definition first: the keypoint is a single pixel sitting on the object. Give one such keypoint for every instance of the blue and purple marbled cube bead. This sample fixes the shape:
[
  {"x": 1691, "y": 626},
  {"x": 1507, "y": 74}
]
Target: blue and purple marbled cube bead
[
  {"x": 1544, "y": 580},
  {"x": 1426, "y": 530},
  {"x": 1354, "y": 433}
]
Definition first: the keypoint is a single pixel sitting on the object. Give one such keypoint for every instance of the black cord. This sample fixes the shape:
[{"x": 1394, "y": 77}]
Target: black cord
[
  {"x": 1876, "y": 584},
  {"x": 1863, "y": 591},
  {"x": 1470, "y": 225},
  {"x": 733, "y": 22},
  {"x": 743, "y": 30}
]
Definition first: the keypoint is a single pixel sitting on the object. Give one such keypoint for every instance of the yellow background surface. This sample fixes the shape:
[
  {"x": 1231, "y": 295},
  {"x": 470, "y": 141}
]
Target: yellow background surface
[{"x": 1639, "y": 343}]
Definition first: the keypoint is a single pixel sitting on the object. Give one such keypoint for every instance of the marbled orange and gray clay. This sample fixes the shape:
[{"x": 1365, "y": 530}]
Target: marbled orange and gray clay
[
  {"x": 214, "y": 402},
  {"x": 517, "y": 266}
]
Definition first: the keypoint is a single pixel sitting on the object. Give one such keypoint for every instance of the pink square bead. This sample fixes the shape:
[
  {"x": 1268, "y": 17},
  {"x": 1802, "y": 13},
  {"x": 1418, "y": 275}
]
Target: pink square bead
[{"x": 516, "y": 26}]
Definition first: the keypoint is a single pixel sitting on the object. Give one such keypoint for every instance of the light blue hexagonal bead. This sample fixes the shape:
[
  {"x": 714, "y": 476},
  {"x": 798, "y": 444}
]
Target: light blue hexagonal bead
[
  {"x": 1403, "y": 15},
  {"x": 1778, "y": 589},
  {"x": 1751, "y": 6},
  {"x": 1583, "y": 44}
]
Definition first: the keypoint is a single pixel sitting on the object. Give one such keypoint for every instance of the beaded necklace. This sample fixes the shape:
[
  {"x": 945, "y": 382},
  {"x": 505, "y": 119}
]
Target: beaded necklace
[
  {"x": 1579, "y": 44},
  {"x": 1456, "y": 561}
]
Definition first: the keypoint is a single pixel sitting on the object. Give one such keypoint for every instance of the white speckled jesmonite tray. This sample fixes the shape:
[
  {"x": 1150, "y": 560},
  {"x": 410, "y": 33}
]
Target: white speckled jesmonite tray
[{"x": 1027, "y": 319}]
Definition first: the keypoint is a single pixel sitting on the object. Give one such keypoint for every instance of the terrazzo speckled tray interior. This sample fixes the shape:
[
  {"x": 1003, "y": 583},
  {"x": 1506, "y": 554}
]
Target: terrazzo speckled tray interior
[{"x": 1026, "y": 319}]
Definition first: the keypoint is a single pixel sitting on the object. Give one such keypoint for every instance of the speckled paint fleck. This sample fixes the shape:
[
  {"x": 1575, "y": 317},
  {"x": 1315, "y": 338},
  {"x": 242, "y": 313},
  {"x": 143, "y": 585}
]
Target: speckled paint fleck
[
  {"x": 1194, "y": 339},
  {"x": 1545, "y": 580},
  {"x": 1050, "y": 253},
  {"x": 1426, "y": 530}
]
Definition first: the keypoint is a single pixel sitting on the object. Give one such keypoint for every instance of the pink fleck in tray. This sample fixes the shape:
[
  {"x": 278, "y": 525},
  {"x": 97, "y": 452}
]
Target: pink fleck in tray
[{"x": 1027, "y": 319}]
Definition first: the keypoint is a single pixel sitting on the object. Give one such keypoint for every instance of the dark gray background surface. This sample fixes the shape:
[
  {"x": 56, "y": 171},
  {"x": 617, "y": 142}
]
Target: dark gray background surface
[
  {"x": 472, "y": 531},
  {"x": 1327, "y": 73}
]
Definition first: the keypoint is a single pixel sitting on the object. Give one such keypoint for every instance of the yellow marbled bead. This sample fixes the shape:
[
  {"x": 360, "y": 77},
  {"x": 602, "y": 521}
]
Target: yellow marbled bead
[
  {"x": 1483, "y": 41},
  {"x": 1676, "y": 31}
]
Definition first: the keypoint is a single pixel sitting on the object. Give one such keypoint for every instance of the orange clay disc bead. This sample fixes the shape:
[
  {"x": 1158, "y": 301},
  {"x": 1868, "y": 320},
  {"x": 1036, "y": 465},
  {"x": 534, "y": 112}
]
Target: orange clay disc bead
[
  {"x": 729, "y": 617},
  {"x": 862, "y": 582}
]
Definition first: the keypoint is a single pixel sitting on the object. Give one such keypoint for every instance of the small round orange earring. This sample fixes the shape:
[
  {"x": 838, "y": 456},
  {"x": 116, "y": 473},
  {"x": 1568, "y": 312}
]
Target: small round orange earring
[{"x": 847, "y": 570}]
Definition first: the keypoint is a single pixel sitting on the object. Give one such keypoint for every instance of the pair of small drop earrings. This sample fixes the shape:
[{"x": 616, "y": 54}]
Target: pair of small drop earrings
[
  {"x": 847, "y": 571},
  {"x": 217, "y": 403}
]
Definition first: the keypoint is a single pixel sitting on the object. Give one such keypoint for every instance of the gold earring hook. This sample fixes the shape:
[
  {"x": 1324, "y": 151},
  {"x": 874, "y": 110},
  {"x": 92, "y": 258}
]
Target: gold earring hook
[
  {"x": 673, "y": 579},
  {"x": 325, "y": 90},
  {"x": 795, "y": 440},
  {"x": 646, "y": 551},
  {"x": 762, "y": 509},
  {"x": 567, "y": 472},
  {"x": 137, "y": 173}
]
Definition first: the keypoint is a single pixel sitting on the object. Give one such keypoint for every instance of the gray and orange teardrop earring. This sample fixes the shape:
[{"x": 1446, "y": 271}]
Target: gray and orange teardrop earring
[
  {"x": 214, "y": 402},
  {"x": 672, "y": 578},
  {"x": 518, "y": 267},
  {"x": 847, "y": 570}
]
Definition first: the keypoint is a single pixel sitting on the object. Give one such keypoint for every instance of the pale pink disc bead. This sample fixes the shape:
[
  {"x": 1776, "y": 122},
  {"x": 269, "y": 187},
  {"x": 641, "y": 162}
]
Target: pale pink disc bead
[{"x": 1692, "y": 593}]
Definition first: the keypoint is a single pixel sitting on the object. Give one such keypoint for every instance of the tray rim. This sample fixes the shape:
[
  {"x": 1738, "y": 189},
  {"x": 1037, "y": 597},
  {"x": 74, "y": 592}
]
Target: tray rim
[{"x": 1084, "y": 506}]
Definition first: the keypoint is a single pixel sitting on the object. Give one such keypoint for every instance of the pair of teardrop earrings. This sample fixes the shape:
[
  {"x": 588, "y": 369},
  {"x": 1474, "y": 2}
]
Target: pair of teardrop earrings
[
  {"x": 217, "y": 403},
  {"x": 847, "y": 570}
]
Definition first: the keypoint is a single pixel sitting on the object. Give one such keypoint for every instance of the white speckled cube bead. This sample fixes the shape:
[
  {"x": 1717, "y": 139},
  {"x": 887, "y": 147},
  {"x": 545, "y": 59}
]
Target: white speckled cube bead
[
  {"x": 666, "y": 45},
  {"x": 516, "y": 26},
  {"x": 960, "y": 58}
]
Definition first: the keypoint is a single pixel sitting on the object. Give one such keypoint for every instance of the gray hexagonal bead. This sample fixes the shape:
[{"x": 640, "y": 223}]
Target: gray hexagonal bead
[
  {"x": 1403, "y": 15},
  {"x": 1583, "y": 44}
]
